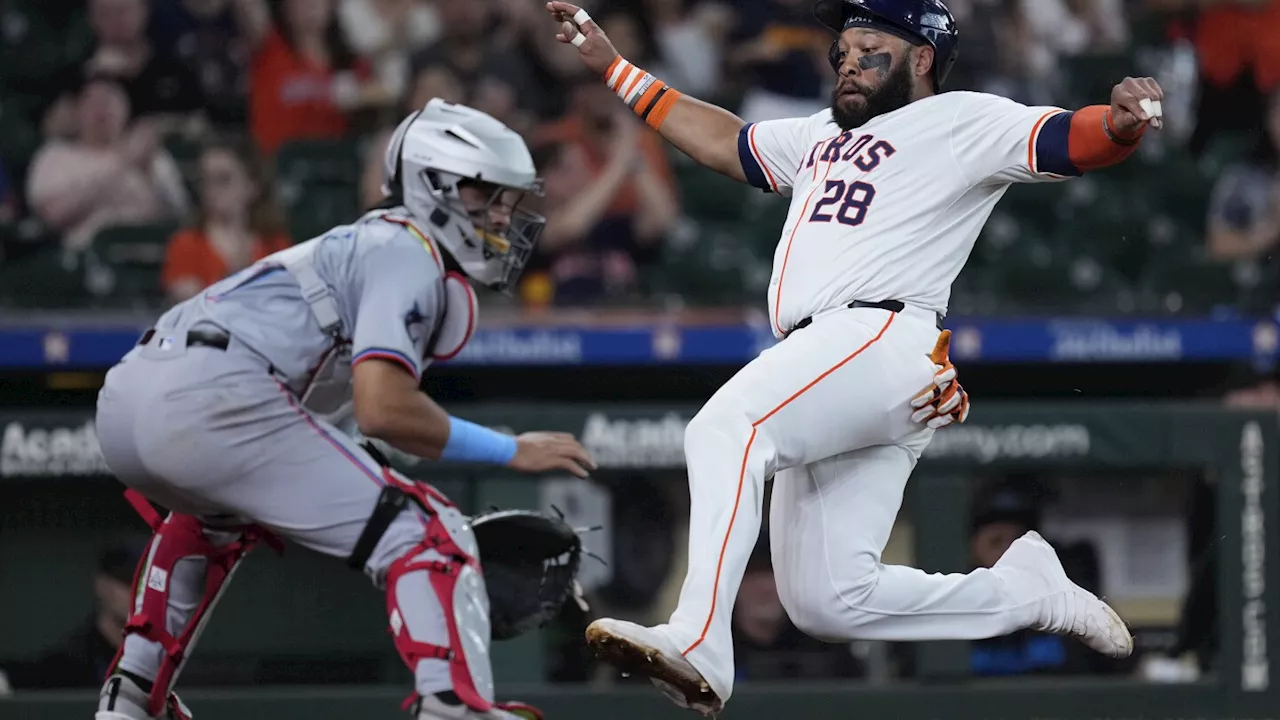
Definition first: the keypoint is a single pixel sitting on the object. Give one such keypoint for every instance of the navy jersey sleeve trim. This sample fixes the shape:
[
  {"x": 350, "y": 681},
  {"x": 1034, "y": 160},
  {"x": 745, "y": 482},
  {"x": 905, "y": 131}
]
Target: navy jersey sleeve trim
[
  {"x": 390, "y": 354},
  {"x": 1053, "y": 147},
  {"x": 750, "y": 165}
]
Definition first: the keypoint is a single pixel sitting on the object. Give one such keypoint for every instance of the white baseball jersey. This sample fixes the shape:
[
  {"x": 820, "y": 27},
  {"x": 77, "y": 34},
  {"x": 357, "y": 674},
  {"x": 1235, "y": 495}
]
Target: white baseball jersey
[{"x": 891, "y": 210}]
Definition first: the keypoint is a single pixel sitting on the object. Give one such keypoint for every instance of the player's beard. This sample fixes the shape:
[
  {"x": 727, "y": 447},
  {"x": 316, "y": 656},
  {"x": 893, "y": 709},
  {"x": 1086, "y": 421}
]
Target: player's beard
[{"x": 893, "y": 93}]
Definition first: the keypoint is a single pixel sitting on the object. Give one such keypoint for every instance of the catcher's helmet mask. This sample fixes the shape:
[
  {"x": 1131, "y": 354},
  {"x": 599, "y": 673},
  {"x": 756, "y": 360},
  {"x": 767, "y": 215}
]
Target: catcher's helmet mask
[{"x": 920, "y": 22}]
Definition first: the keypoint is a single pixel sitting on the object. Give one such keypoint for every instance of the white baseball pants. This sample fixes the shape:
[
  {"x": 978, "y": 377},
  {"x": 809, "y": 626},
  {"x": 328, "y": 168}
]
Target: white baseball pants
[{"x": 826, "y": 414}]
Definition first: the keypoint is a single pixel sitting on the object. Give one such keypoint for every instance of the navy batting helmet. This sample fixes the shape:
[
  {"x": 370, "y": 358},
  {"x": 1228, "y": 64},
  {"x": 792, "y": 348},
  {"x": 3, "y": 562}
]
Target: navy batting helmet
[{"x": 917, "y": 21}]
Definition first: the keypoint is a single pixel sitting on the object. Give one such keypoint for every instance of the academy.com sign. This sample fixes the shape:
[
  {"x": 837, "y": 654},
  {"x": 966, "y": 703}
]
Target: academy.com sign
[
  {"x": 1009, "y": 442},
  {"x": 658, "y": 442},
  {"x": 50, "y": 451},
  {"x": 635, "y": 442}
]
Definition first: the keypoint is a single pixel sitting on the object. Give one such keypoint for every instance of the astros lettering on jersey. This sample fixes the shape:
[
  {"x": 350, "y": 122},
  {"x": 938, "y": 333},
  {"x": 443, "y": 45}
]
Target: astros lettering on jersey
[{"x": 892, "y": 209}]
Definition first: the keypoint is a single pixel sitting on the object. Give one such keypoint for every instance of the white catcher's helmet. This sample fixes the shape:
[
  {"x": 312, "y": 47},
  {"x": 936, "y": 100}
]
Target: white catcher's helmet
[{"x": 443, "y": 146}]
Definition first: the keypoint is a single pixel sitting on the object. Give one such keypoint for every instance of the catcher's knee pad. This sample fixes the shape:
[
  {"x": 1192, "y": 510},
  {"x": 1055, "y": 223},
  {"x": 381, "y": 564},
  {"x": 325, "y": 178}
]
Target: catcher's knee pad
[
  {"x": 180, "y": 538},
  {"x": 448, "y": 561}
]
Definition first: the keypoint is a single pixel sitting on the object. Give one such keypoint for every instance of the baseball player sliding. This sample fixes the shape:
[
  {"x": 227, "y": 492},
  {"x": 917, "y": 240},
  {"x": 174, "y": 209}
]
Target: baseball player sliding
[
  {"x": 889, "y": 189},
  {"x": 217, "y": 415}
]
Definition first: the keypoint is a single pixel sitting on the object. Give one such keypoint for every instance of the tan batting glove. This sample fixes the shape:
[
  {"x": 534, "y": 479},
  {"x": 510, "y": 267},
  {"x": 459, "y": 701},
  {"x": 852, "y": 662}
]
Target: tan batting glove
[{"x": 944, "y": 401}]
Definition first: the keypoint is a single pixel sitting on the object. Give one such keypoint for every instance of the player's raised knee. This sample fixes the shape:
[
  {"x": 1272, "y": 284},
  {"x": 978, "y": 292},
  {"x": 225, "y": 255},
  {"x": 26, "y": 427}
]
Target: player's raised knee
[
  {"x": 716, "y": 423},
  {"x": 833, "y": 612}
]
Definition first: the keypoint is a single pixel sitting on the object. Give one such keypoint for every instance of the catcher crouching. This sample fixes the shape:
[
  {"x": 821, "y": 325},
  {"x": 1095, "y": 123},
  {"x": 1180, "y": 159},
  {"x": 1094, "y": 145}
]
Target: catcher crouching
[{"x": 227, "y": 414}]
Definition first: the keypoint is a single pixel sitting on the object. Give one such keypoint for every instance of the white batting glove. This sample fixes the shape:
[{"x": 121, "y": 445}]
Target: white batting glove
[{"x": 944, "y": 401}]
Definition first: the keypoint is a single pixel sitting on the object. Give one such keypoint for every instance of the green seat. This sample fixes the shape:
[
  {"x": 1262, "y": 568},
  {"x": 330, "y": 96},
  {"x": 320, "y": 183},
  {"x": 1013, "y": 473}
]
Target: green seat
[
  {"x": 186, "y": 153},
  {"x": 711, "y": 268},
  {"x": 318, "y": 161},
  {"x": 131, "y": 258},
  {"x": 763, "y": 224},
  {"x": 1035, "y": 207},
  {"x": 1036, "y": 276},
  {"x": 1191, "y": 282},
  {"x": 45, "y": 279},
  {"x": 321, "y": 207},
  {"x": 708, "y": 195},
  {"x": 318, "y": 181},
  {"x": 1090, "y": 78},
  {"x": 43, "y": 40}
]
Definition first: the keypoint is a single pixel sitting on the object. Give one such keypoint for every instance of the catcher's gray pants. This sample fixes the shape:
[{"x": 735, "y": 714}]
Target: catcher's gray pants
[{"x": 211, "y": 433}]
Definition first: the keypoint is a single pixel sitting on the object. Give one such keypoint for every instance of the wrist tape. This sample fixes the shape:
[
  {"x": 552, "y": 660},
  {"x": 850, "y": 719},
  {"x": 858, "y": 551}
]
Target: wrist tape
[{"x": 646, "y": 95}]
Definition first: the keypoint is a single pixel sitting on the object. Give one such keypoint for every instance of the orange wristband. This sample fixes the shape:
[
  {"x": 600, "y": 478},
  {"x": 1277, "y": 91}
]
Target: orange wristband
[{"x": 646, "y": 95}]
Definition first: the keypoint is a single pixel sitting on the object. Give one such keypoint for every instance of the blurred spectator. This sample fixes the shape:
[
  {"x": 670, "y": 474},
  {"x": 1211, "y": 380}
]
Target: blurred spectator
[
  {"x": 1239, "y": 54},
  {"x": 1254, "y": 391},
  {"x": 386, "y": 32},
  {"x": 10, "y": 206},
  {"x": 1197, "y": 630},
  {"x": 435, "y": 81},
  {"x": 521, "y": 29},
  {"x": 110, "y": 173},
  {"x": 158, "y": 84},
  {"x": 305, "y": 77},
  {"x": 1244, "y": 211},
  {"x": 690, "y": 38},
  {"x": 82, "y": 659},
  {"x": 767, "y": 645},
  {"x": 1003, "y": 514},
  {"x": 986, "y": 61},
  {"x": 609, "y": 202},
  {"x": 208, "y": 37},
  {"x": 1074, "y": 27},
  {"x": 432, "y": 81},
  {"x": 784, "y": 52},
  {"x": 476, "y": 51},
  {"x": 238, "y": 222}
]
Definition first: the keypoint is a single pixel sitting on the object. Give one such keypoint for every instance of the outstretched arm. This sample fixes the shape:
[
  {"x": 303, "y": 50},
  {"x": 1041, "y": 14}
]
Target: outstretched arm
[
  {"x": 996, "y": 140},
  {"x": 704, "y": 132}
]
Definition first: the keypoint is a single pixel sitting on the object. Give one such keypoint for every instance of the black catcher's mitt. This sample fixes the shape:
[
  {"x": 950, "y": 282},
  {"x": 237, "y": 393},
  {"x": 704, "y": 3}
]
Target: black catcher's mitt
[{"x": 530, "y": 562}]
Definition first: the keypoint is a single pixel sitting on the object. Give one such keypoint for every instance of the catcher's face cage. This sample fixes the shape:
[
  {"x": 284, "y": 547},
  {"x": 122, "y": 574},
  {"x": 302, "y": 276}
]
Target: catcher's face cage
[{"x": 505, "y": 250}]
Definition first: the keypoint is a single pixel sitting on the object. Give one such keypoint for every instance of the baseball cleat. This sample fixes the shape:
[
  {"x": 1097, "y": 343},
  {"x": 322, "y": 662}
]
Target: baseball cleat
[
  {"x": 124, "y": 697},
  {"x": 1069, "y": 609},
  {"x": 637, "y": 650}
]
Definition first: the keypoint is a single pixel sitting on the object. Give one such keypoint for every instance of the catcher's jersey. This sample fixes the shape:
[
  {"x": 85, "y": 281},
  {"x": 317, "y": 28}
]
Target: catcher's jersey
[
  {"x": 386, "y": 278},
  {"x": 891, "y": 210}
]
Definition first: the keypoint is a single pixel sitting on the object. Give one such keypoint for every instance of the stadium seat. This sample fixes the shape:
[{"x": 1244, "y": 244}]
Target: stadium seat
[
  {"x": 316, "y": 161},
  {"x": 46, "y": 279},
  {"x": 707, "y": 195},
  {"x": 186, "y": 153},
  {"x": 710, "y": 265},
  {"x": 42, "y": 39},
  {"x": 321, "y": 208},
  {"x": 318, "y": 185},
  {"x": 130, "y": 259},
  {"x": 1189, "y": 281},
  {"x": 1089, "y": 78}
]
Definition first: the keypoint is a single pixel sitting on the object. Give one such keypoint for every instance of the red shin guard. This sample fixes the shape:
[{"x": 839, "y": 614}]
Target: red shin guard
[
  {"x": 454, "y": 572},
  {"x": 178, "y": 537}
]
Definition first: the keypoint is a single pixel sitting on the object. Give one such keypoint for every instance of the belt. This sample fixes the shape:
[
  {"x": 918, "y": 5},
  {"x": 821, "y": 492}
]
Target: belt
[
  {"x": 200, "y": 338},
  {"x": 890, "y": 305}
]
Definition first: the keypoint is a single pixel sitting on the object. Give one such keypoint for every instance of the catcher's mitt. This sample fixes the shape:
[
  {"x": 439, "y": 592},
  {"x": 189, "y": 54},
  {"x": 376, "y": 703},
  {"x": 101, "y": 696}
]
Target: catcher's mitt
[{"x": 530, "y": 562}]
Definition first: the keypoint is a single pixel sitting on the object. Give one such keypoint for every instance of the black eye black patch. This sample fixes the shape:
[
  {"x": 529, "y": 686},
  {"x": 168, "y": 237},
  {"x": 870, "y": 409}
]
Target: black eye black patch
[{"x": 877, "y": 61}]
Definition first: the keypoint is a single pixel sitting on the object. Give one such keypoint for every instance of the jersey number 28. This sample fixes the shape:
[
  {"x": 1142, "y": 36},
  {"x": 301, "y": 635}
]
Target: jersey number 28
[{"x": 854, "y": 199}]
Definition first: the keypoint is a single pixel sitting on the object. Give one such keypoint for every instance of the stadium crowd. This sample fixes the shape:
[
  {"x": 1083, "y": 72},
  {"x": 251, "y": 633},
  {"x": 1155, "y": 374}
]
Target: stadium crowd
[{"x": 211, "y": 122}]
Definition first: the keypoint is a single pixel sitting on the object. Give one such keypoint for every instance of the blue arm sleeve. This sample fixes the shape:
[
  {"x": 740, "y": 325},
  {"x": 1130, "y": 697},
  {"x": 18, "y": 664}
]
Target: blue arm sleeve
[{"x": 470, "y": 442}]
